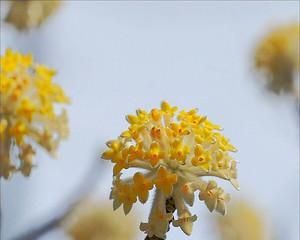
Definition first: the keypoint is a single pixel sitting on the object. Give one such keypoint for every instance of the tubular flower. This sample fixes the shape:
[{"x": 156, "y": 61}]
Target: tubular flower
[
  {"x": 94, "y": 221},
  {"x": 26, "y": 14},
  {"x": 174, "y": 149},
  {"x": 27, "y": 112},
  {"x": 277, "y": 56},
  {"x": 243, "y": 222}
]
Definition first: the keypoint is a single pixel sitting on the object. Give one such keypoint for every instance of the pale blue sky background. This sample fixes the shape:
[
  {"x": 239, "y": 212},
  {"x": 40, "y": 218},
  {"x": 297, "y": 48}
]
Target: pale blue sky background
[{"x": 114, "y": 57}]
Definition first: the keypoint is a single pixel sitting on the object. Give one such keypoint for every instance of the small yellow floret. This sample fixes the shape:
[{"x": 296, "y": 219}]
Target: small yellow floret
[
  {"x": 165, "y": 181},
  {"x": 142, "y": 185}
]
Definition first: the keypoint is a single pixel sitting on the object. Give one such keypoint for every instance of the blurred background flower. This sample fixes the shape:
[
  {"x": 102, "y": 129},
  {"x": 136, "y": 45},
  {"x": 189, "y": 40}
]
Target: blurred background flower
[
  {"x": 277, "y": 56},
  {"x": 26, "y": 14},
  {"x": 27, "y": 114},
  {"x": 96, "y": 220},
  {"x": 243, "y": 222}
]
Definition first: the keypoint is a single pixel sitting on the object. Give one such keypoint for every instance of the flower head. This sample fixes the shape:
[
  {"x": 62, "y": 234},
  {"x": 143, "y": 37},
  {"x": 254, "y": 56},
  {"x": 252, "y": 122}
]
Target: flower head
[
  {"x": 277, "y": 56},
  {"x": 27, "y": 113},
  {"x": 25, "y": 14},
  {"x": 94, "y": 221},
  {"x": 174, "y": 149}
]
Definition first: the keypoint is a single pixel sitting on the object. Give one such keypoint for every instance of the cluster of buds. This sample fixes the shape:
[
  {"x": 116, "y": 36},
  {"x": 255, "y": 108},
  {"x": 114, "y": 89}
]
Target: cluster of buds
[
  {"x": 174, "y": 149},
  {"x": 277, "y": 56},
  {"x": 26, "y": 14},
  {"x": 27, "y": 112}
]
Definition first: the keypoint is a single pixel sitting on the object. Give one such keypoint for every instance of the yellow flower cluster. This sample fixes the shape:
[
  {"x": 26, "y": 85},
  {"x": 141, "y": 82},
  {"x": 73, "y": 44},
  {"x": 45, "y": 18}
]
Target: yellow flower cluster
[
  {"x": 25, "y": 14},
  {"x": 277, "y": 55},
  {"x": 174, "y": 149},
  {"x": 94, "y": 221},
  {"x": 27, "y": 112},
  {"x": 243, "y": 222}
]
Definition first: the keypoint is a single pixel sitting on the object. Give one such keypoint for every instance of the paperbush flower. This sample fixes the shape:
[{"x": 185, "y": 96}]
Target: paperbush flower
[
  {"x": 96, "y": 221},
  {"x": 277, "y": 56},
  {"x": 243, "y": 222},
  {"x": 25, "y": 14},
  {"x": 174, "y": 149},
  {"x": 27, "y": 113}
]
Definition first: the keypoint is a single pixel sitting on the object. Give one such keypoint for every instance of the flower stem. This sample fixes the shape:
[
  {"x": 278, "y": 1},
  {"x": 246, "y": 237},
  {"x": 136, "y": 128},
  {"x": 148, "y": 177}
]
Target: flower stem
[{"x": 170, "y": 208}]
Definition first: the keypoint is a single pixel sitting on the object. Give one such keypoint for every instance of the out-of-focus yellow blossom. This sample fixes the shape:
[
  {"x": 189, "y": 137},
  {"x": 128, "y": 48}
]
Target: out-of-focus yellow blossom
[
  {"x": 27, "y": 112},
  {"x": 243, "y": 222},
  {"x": 96, "y": 221},
  {"x": 175, "y": 149},
  {"x": 26, "y": 14},
  {"x": 277, "y": 55}
]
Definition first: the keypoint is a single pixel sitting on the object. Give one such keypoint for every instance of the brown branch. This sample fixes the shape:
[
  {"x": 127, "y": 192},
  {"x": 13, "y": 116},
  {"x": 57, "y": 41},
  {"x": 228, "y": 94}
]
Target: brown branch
[
  {"x": 170, "y": 208},
  {"x": 153, "y": 238}
]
